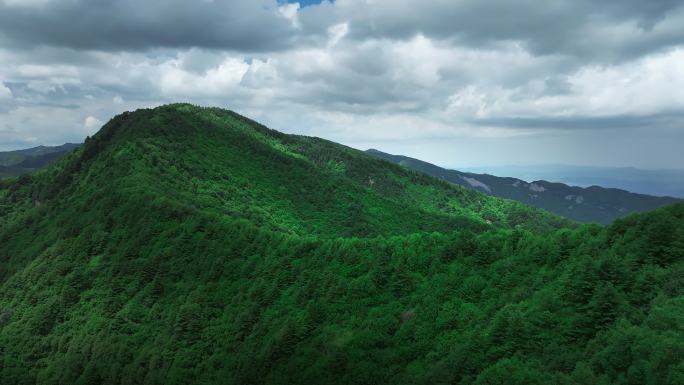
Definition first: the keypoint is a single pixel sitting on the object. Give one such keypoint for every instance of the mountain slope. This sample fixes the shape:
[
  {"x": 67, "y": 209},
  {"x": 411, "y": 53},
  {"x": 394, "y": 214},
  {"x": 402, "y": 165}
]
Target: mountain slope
[
  {"x": 18, "y": 162},
  {"x": 190, "y": 245},
  {"x": 593, "y": 204},
  {"x": 233, "y": 166}
]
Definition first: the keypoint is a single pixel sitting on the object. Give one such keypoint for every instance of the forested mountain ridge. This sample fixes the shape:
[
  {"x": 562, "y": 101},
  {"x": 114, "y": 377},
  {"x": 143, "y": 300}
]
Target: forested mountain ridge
[
  {"x": 591, "y": 205},
  {"x": 192, "y": 245},
  {"x": 229, "y": 164}
]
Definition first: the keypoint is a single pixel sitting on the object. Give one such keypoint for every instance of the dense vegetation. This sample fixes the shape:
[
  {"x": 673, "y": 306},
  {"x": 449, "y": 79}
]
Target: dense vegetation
[
  {"x": 189, "y": 245},
  {"x": 590, "y": 205}
]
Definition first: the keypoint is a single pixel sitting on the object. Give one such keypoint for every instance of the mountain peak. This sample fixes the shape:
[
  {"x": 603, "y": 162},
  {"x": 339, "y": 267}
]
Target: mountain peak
[{"x": 227, "y": 162}]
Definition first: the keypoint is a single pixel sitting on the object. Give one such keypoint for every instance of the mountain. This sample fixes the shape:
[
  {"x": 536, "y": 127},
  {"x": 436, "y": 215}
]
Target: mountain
[
  {"x": 19, "y": 162},
  {"x": 192, "y": 245},
  {"x": 653, "y": 182},
  {"x": 592, "y": 204}
]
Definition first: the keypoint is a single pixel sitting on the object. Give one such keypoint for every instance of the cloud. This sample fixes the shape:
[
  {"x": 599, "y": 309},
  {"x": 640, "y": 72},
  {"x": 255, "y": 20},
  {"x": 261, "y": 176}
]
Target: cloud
[
  {"x": 644, "y": 93},
  {"x": 605, "y": 31},
  {"x": 354, "y": 71},
  {"x": 337, "y": 32},
  {"x": 602, "y": 31},
  {"x": 5, "y": 93},
  {"x": 92, "y": 123},
  {"x": 27, "y": 126},
  {"x": 248, "y": 25},
  {"x": 177, "y": 82},
  {"x": 289, "y": 11},
  {"x": 25, "y": 3}
]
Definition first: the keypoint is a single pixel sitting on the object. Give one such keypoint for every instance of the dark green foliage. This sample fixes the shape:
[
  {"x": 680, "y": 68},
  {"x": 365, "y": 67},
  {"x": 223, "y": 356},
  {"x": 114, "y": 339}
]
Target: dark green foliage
[{"x": 189, "y": 245}]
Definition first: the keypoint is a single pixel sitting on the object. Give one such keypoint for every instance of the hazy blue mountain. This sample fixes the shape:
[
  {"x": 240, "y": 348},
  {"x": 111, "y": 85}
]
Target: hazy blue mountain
[
  {"x": 593, "y": 204},
  {"x": 19, "y": 162},
  {"x": 652, "y": 182}
]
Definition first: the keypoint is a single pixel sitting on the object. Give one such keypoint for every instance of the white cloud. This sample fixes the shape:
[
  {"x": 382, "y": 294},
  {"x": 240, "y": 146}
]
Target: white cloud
[
  {"x": 336, "y": 33},
  {"x": 32, "y": 71},
  {"x": 651, "y": 85},
  {"x": 420, "y": 61},
  {"x": 26, "y": 3},
  {"x": 648, "y": 86},
  {"x": 217, "y": 81},
  {"x": 92, "y": 123},
  {"x": 5, "y": 92},
  {"x": 44, "y": 78},
  {"x": 25, "y": 126},
  {"x": 289, "y": 11}
]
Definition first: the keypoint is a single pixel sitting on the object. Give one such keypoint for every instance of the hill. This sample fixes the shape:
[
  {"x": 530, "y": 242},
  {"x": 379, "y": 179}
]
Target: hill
[
  {"x": 192, "y": 245},
  {"x": 592, "y": 205},
  {"x": 13, "y": 163}
]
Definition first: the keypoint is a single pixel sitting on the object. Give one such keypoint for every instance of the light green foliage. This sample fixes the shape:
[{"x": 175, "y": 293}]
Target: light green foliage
[{"x": 190, "y": 245}]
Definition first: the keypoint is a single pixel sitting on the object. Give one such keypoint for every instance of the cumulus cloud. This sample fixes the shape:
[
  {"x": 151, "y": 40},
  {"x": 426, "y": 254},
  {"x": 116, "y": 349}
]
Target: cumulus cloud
[
  {"x": 92, "y": 123},
  {"x": 177, "y": 82},
  {"x": 26, "y": 126},
  {"x": 5, "y": 93},
  {"x": 354, "y": 71},
  {"x": 289, "y": 11},
  {"x": 636, "y": 93}
]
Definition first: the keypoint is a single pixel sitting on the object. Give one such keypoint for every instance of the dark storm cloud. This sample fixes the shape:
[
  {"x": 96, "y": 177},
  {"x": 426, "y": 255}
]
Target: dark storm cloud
[
  {"x": 598, "y": 30},
  {"x": 604, "y": 31},
  {"x": 244, "y": 25}
]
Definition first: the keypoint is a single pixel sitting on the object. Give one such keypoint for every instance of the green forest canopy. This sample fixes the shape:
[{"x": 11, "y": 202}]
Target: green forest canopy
[{"x": 192, "y": 245}]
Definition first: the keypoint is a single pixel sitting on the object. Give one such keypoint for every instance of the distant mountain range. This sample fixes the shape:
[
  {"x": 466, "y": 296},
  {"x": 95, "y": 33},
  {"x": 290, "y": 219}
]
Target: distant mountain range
[
  {"x": 653, "y": 182},
  {"x": 593, "y": 204},
  {"x": 19, "y": 162}
]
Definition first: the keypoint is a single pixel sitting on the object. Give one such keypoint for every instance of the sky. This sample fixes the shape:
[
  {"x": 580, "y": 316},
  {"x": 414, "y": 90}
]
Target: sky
[{"x": 453, "y": 82}]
